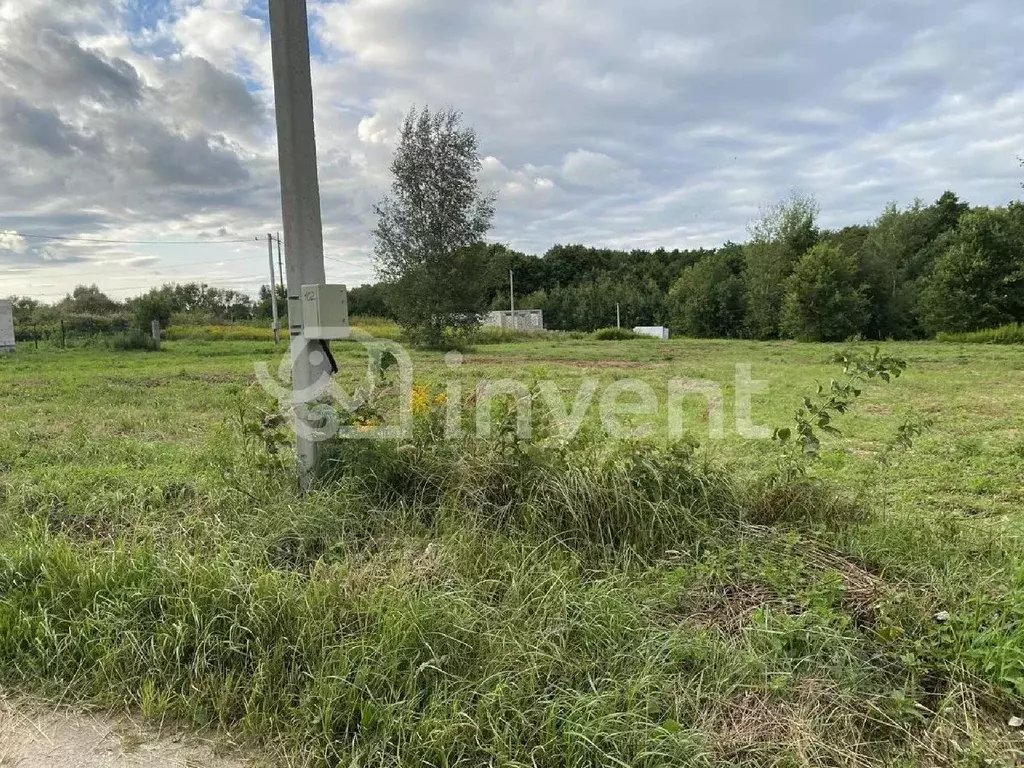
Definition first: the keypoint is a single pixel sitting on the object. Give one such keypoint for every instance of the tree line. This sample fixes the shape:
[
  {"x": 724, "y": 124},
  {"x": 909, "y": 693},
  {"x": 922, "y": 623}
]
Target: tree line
[
  {"x": 88, "y": 309},
  {"x": 911, "y": 273}
]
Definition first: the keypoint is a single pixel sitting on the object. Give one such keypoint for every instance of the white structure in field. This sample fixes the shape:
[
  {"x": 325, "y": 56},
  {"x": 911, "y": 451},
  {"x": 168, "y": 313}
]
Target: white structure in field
[
  {"x": 6, "y": 327},
  {"x": 655, "y": 331},
  {"x": 520, "y": 320}
]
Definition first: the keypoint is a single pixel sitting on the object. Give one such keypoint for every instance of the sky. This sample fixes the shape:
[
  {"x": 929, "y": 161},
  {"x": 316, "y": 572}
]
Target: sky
[{"x": 641, "y": 124}]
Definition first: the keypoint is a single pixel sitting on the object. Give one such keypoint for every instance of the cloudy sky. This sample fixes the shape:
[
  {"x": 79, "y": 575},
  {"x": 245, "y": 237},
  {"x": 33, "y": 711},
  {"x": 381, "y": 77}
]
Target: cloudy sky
[{"x": 629, "y": 124}]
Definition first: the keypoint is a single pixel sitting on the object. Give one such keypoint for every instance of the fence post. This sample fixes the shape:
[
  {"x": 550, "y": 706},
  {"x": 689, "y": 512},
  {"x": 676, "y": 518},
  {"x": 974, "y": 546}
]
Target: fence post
[{"x": 156, "y": 333}]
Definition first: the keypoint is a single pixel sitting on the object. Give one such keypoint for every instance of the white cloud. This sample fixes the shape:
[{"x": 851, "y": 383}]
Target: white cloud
[
  {"x": 643, "y": 124},
  {"x": 12, "y": 241},
  {"x": 379, "y": 129},
  {"x": 595, "y": 170}
]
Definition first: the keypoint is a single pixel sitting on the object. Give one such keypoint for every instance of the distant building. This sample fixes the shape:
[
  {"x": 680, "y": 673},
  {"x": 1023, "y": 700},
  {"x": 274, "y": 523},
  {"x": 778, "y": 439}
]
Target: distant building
[
  {"x": 656, "y": 332},
  {"x": 520, "y": 320},
  {"x": 6, "y": 327}
]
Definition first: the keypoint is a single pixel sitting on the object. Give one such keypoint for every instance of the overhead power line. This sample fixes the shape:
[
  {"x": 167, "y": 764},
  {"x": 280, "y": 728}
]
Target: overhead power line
[
  {"x": 345, "y": 261},
  {"x": 99, "y": 240},
  {"x": 92, "y": 272}
]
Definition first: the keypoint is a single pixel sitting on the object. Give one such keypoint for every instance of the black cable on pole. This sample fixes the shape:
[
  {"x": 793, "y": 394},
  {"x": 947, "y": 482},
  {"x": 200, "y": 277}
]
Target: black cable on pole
[{"x": 330, "y": 358}]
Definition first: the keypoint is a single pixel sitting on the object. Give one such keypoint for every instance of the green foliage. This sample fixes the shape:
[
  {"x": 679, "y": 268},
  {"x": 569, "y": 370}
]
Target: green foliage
[
  {"x": 89, "y": 300},
  {"x": 26, "y": 311},
  {"x": 150, "y": 307},
  {"x": 615, "y": 334},
  {"x": 264, "y": 307},
  {"x": 428, "y": 229},
  {"x": 368, "y": 301},
  {"x": 133, "y": 341},
  {"x": 1006, "y": 334},
  {"x": 825, "y": 300},
  {"x": 708, "y": 298},
  {"x": 897, "y": 257},
  {"x": 816, "y": 414},
  {"x": 778, "y": 240},
  {"x": 979, "y": 280}
]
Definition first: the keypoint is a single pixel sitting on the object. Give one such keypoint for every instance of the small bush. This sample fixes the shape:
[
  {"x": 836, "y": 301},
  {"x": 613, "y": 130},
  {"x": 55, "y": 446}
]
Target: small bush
[
  {"x": 615, "y": 334},
  {"x": 136, "y": 341},
  {"x": 1006, "y": 334}
]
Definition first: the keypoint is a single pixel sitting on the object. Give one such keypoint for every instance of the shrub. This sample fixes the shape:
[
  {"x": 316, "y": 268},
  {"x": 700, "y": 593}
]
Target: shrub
[
  {"x": 135, "y": 341},
  {"x": 615, "y": 334}
]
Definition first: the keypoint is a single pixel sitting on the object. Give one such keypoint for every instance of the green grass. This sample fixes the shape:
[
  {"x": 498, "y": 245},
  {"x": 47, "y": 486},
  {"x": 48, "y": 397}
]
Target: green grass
[
  {"x": 376, "y": 326},
  {"x": 473, "y": 603},
  {"x": 1006, "y": 334},
  {"x": 615, "y": 334}
]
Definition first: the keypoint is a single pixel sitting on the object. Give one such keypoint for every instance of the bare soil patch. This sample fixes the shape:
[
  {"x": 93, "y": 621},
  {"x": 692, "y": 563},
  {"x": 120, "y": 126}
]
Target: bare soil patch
[{"x": 34, "y": 737}]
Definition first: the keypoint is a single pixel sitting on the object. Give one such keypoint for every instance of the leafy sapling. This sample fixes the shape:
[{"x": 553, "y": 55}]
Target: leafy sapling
[{"x": 801, "y": 442}]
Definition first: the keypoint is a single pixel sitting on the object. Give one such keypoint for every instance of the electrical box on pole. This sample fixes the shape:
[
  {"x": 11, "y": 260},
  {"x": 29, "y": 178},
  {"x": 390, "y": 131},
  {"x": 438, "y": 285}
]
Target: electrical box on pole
[{"x": 325, "y": 312}]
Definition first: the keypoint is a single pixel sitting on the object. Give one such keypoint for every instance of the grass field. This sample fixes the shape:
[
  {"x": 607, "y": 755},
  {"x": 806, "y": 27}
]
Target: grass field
[{"x": 459, "y": 603}]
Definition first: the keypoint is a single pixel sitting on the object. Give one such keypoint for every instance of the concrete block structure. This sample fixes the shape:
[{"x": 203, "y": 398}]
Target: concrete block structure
[
  {"x": 520, "y": 320},
  {"x": 7, "y": 342}
]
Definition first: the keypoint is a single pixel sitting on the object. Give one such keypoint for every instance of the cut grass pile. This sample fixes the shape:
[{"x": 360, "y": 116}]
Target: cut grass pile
[
  {"x": 485, "y": 603},
  {"x": 1005, "y": 334}
]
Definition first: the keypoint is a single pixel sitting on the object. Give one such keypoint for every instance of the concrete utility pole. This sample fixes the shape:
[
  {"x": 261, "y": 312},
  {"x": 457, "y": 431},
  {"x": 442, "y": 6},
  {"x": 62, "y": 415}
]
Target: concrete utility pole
[
  {"x": 273, "y": 291},
  {"x": 300, "y": 203},
  {"x": 618, "y": 317},
  {"x": 512, "y": 299},
  {"x": 280, "y": 264}
]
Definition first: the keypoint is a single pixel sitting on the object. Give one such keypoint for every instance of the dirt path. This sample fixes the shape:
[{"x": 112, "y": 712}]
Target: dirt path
[{"x": 32, "y": 737}]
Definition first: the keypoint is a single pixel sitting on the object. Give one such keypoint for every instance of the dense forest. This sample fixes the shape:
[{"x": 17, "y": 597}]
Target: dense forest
[{"x": 911, "y": 273}]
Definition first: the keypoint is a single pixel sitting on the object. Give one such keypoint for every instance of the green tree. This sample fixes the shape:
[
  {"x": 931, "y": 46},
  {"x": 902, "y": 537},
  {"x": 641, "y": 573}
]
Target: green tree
[
  {"x": 368, "y": 301},
  {"x": 825, "y": 296},
  {"x": 978, "y": 281},
  {"x": 265, "y": 310},
  {"x": 897, "y": 256},
  {"x": 26, "y": 310},
  {"x": 707, "y": 300},
  {"x": 784, "y": 233},
  {"x": 429, "y": 228},
  {"x": 88, "y": 300},
  {"x": 155, "y": 305}
]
